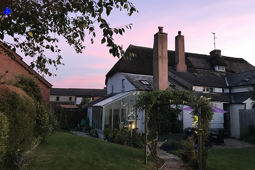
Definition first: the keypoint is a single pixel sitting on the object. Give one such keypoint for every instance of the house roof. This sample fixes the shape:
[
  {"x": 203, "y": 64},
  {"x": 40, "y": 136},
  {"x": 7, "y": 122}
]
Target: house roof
[
  {"x": 18, "y": 59},
  {"x": 113, "y": 98},
  {"x": 136, "y": 81},
  {"x": 240, "y": 97},
  {"x": 217, "y": 60},
  {"x": 142, "y": 63},
  {"x": 222, "y": 97},
  {"x": 77, "y": 92},
  {"x": 241, "y": 79},
  {"x": 199, "y": 77},
  {"x": 98, "y": 100}
]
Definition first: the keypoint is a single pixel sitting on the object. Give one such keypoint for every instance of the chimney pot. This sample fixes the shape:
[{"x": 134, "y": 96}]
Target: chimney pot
[
  {"x": 160, "y": 29},
  {"x": 214, "y": 52},
  {"x": 179, "y": 32}
]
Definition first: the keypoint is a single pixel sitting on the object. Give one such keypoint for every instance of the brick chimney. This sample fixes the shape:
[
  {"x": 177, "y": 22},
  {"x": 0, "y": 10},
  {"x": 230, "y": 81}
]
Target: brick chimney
[
  {"x": 180, "y": 64},
  {"x": 160, "y": 60},
  {"x": 214, "y": 52}
]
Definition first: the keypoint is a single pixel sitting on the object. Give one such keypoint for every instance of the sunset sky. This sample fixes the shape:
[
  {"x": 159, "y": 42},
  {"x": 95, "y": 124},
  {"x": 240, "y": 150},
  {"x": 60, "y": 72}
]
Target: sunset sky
[{"x": 233, "y": 21}]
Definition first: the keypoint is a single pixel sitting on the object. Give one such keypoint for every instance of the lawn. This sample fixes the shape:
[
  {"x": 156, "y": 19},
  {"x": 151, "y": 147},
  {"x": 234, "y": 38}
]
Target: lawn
[
  {"x": 229, "y": 159},
  {"x": 65, "y": 151}
]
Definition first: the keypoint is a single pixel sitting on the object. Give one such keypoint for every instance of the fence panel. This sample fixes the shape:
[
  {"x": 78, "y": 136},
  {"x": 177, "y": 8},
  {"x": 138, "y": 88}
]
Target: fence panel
[{"x": 246, "y": 118}]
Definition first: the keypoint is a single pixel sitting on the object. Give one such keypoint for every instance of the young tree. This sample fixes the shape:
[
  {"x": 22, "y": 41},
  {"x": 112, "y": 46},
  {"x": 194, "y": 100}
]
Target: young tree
[{"x": 33, "y": 24}]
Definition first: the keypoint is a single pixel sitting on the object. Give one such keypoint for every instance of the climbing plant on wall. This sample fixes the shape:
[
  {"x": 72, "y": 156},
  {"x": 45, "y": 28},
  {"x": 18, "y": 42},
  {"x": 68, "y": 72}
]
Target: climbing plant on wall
[{"x": 153, "y": 100}]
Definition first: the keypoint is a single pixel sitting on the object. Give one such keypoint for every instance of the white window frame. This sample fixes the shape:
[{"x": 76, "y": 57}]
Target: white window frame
[
  {"x": 208, "y": 90},
  {"x": 144, "y": 82}
]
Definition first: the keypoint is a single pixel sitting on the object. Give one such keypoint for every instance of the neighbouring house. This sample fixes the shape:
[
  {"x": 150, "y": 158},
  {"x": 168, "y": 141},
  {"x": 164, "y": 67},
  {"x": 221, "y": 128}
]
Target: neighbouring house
[
  {"x": 14, "y": 65},
  {"x": 67, "y": 97},
  {"x": 226, "y": 79}
]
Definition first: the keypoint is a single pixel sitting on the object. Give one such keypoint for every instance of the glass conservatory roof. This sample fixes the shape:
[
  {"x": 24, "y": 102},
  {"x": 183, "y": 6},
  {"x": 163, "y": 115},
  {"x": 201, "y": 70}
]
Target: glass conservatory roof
[{"x": 114, "y": 98}]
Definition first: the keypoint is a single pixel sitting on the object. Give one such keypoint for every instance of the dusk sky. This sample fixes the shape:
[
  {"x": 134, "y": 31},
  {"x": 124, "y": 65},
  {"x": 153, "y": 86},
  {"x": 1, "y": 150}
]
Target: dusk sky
[{"x": 233, "y": 21}]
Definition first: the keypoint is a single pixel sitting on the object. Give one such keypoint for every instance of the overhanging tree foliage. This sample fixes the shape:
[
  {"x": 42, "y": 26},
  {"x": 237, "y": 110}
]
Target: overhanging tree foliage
[{"x": 34, "y": 24}]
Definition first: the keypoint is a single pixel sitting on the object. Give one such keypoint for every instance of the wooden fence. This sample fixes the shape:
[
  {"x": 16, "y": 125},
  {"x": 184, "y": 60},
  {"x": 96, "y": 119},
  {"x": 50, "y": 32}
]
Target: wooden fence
[{"x": 246, "y": 118}]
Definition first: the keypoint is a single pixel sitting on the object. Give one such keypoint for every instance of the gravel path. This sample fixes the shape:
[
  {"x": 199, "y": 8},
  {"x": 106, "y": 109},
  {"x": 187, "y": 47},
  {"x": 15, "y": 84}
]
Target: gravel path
[
  {"x": 172, "y": 162},
  {"x": 233, "y": 143}
]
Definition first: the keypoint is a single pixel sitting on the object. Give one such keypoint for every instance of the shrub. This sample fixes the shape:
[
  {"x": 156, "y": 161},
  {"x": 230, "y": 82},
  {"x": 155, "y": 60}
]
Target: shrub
[
  {"x": 41, "y": 120},
  {"x": 115, "y": 132},
  {"x": 19, "y": 108},
  {"x": 28, "y": 84},
  {"x": 87, "y": 128},
  {"x": 4, "y": 127},
  {"x": 107, "y": 132},
  {"x": 175, "y": 144},
  {"x": 124, "y": 131},
  {"x": 193, "y": 163},
  {"x": 190, "y": 144},
  {"x": 169, "y": 120},
  {"x": 93, "y": 133}
]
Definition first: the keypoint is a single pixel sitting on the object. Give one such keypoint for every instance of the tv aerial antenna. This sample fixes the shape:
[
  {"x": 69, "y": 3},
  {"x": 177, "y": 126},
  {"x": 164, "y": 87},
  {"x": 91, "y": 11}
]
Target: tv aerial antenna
[{"x": 214, "y": 38}]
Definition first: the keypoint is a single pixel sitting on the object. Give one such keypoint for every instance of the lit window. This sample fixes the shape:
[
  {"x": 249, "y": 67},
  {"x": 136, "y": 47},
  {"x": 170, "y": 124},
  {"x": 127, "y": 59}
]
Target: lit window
[{"x": 145, "y": 82}]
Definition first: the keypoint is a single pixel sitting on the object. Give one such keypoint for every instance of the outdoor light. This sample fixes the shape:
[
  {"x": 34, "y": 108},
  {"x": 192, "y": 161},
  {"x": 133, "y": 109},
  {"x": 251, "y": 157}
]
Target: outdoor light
[{"x": 131, "y": 119}]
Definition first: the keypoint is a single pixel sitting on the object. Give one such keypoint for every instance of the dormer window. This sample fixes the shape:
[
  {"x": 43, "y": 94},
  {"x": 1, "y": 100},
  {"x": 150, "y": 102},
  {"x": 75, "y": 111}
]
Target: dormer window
[
  {"x": 144, "y": 82},
  {"x": 219, "y": 68},
  {"x": 208, "y": 90}
]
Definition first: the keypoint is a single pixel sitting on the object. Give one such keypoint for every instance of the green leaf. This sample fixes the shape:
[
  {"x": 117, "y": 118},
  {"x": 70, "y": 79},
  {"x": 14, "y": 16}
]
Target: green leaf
[
  {"x": 103, "y": 40},
  {"x": 116, "y": 30},
  {"x": 108, "y": 10}
]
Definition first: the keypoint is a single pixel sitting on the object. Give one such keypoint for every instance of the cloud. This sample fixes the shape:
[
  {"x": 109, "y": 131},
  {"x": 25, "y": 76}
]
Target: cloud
[{"x": 89, "y": 81}]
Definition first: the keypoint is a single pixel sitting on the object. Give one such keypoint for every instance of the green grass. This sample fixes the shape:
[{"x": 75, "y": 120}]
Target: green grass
[
  {"x": 65, "y": 151},
  {"x": 232, "y": 159},
  {"x": 229, "y": 159}
]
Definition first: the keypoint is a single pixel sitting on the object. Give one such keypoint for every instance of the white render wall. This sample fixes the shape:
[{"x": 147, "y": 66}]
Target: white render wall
[
  {"x": 248, "y": 103},
  {"x": 218, "y": 118},
  {"x": 241, "y": 89},
  {"x": 53, "y": 98},
  {"x": 89, "y": 115},
  {"x": 116, "y": 81},
  {"x": 217, "y": 121},
  {"x": 141, "y": 120},
  {"x": 200, "y": 88},
  {"x": 197, "y": 88},
  {"x": 234, "y": 119},
  {"x": 218, "y": 90}
]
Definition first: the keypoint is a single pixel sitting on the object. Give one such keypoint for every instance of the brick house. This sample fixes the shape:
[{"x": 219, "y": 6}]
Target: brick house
[{"x": 17, "y": 66}]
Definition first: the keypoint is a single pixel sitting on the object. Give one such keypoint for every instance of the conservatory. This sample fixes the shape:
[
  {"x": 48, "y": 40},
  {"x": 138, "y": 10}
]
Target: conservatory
[{"x": 113, "y": 111}]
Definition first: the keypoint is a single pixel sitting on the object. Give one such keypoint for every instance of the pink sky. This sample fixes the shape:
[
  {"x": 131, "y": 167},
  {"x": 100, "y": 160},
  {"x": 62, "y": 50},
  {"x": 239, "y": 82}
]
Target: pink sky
[{"x": 233, "y": 21}]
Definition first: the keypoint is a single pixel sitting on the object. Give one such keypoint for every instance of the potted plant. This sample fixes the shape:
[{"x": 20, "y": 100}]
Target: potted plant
[
  {"x": 122, "y": 140},
  {"x": 107, "y": 132},
  {"x": 117, "y": 138},
  {"x": 189, "y": 149}
]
